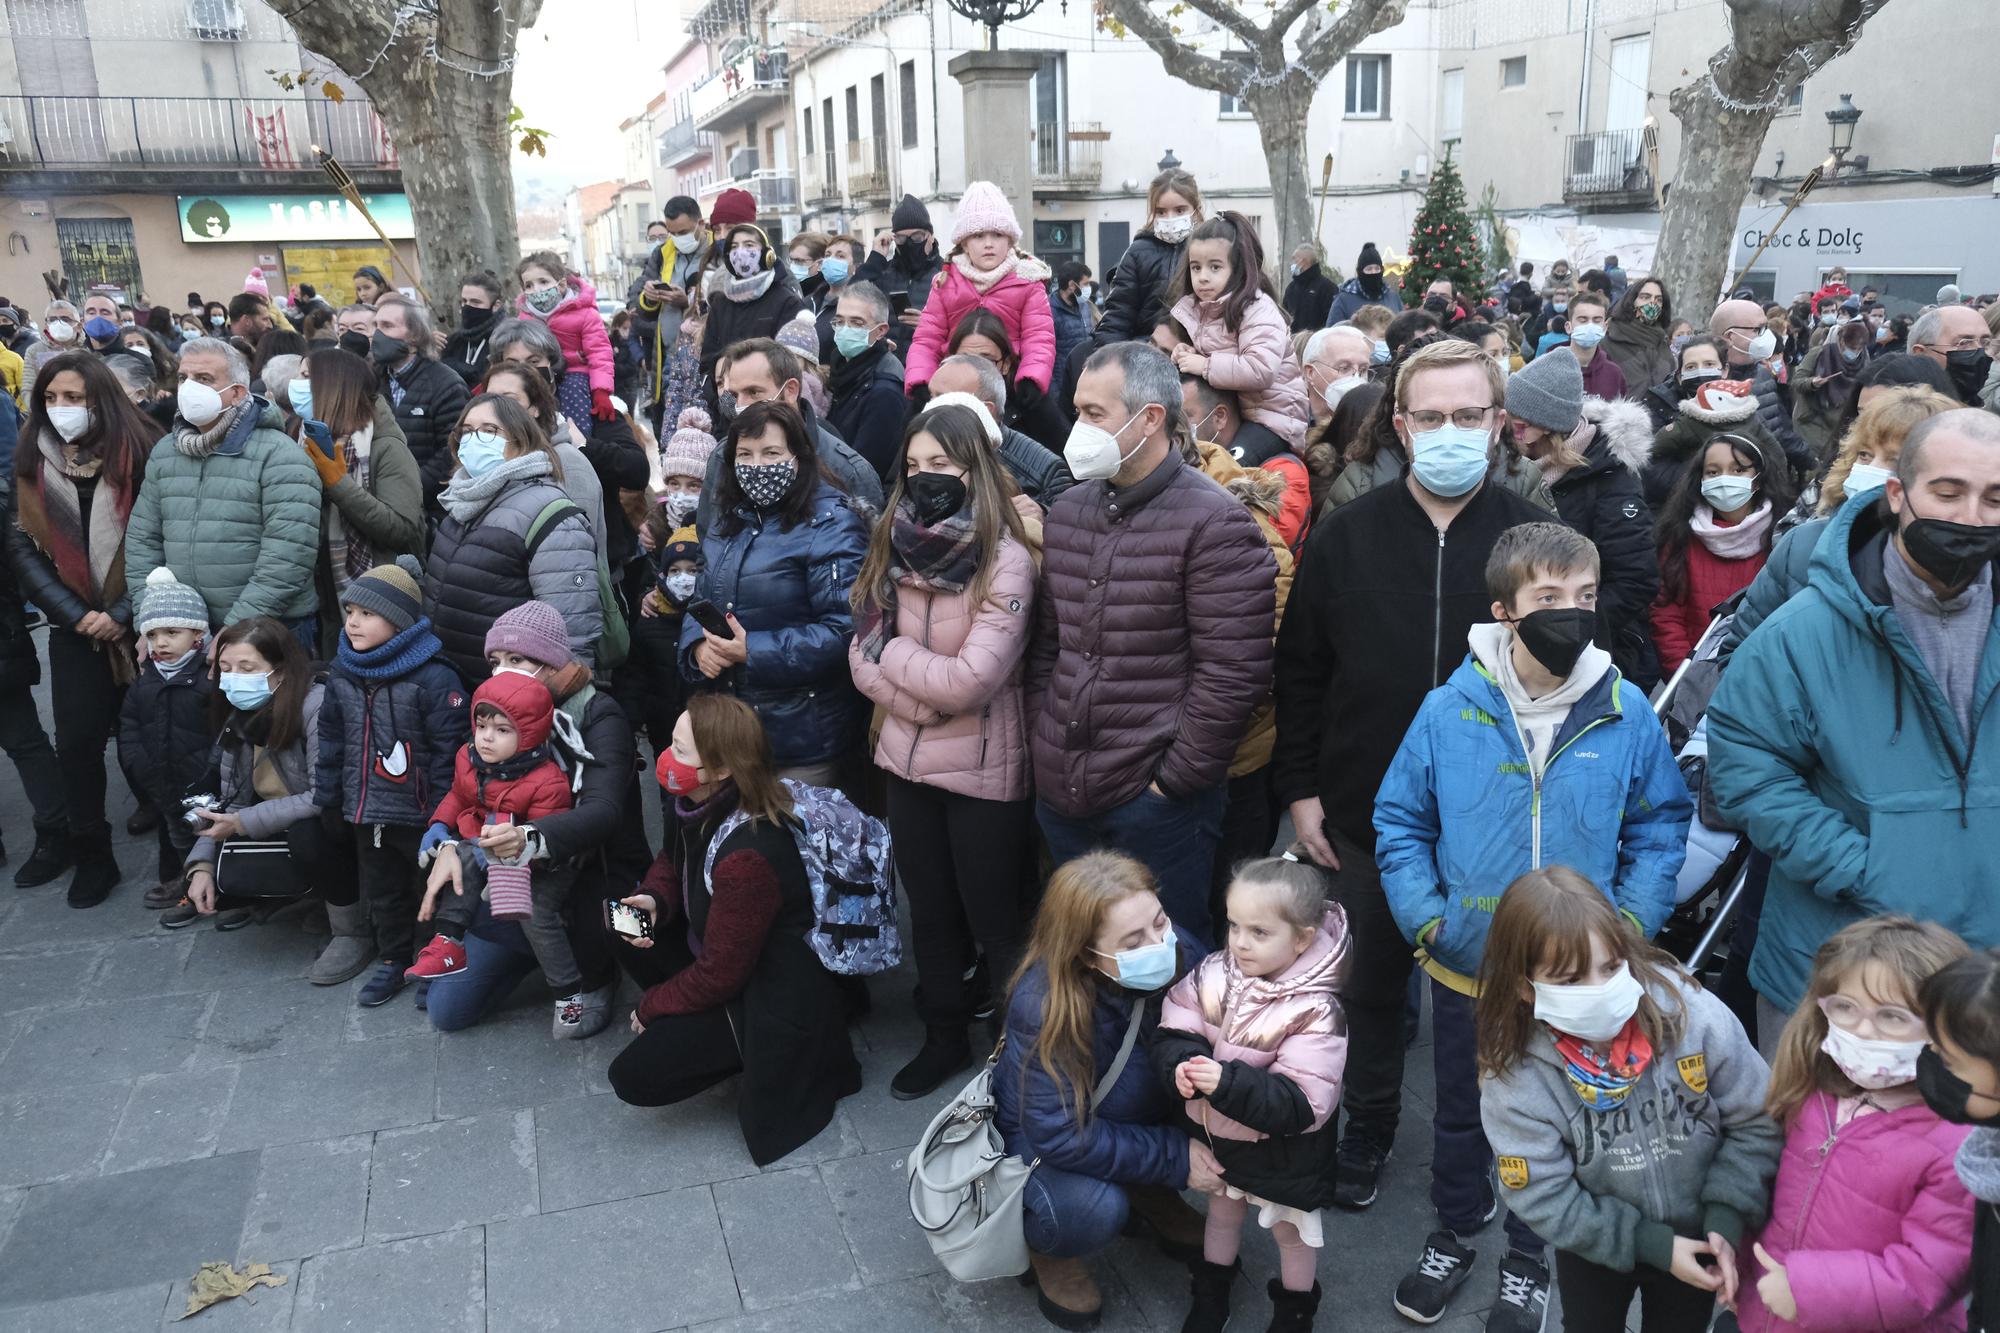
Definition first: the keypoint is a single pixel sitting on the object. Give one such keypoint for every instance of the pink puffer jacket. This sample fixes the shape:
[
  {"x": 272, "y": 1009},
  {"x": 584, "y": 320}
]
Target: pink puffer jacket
[
  {"x": 580, "y": 330},
  {"x": 1871, "y": 1223},
  {"x": 1255, "y": 362},
  {"x": 950, "y": 683},
  {"x": 1021, "y": 300},
  {"x": 1290, "y": 1024}
]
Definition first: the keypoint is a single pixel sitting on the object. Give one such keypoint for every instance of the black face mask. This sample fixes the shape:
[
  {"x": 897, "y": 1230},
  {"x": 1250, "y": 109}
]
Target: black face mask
[
  {"x": 913, "y": 255},
  {"x": 1947, "y": 1093},
  {"x": 725, "y": 407},
  {"x": 1691, "y": 382},
  {"x": 389, "y": 351},
  {"x": 1371, "y": 284},
  {"x": 1968, "y": 370},
  {"x": 1951, "y": 553},
  {"x": 937, "y": 496},
  {"x": 1556, "y": 637},
  {"x": 473, "y": 318},
  {"x": 357, "y": 343},
  {"x": 7, "y": 332}
]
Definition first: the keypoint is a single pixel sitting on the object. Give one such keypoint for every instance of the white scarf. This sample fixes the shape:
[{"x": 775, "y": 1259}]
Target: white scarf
[
  {"x": 465, "y": 496},
  {"x": 983, "y": 281},
  {"x": 1739, "y": 542},
  {"x": 750, "y": 288}
]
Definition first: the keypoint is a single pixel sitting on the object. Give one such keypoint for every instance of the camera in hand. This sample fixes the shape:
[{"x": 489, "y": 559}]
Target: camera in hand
[{"x": 195, "y": 805}]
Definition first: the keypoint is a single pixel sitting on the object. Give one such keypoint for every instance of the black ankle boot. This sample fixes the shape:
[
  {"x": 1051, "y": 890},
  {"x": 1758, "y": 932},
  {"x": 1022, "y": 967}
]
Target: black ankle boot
[
  {"x": 96, "y": 869},
  {"x": 50, "y": 858},
  {"x": 1208, "y": 1310},
  {"x": 1291, "y": 1311},
  {"x": 945, "y": 1052}
]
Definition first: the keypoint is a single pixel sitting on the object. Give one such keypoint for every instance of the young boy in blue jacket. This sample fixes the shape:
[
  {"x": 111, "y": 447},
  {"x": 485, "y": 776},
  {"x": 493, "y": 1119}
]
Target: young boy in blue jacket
[{"x": 1535, "y": 752}]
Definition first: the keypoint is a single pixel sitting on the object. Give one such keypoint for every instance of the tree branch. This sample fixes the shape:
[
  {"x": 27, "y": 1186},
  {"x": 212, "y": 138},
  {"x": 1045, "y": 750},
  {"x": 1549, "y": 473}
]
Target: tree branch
[
  {"x": 1182, "y": 61},
  {"x": 1361, "y": 18},
  {"x": 346, "y": 36},
  {"x": 1291, "y": 13},
  {"x": 1226, "y": 13}
]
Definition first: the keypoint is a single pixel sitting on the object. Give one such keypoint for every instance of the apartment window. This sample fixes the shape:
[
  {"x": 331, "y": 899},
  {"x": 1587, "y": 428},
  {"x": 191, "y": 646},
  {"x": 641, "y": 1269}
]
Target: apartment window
[
  {"x": 1233, "y": 105},
  {"x": 1368, "y": 87},
  {"x": 906, "y": 93},
  {"x": 853, "y": 113},
  {"x": 1451, "y": 105},
  {"x": 878, "y": 111},
  {"x": 806, "y": 131},
  {"x": 1514, "y": 72},
  {"x": 1795, "y": 100}
]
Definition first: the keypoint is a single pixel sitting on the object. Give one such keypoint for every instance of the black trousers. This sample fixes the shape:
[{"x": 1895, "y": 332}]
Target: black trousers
[
  {"x": 1373, "y": 994},
  {"x": 678, "y": 1055},
  {"x": 84, "y": 698},
  {"x": 1249, "y": 828},
  {"x": 385, "y": 862},
  {"x": 22, "y": 737},
  {"x": 1595, "y": 1298},
  {"x": 965, "y": 864}
]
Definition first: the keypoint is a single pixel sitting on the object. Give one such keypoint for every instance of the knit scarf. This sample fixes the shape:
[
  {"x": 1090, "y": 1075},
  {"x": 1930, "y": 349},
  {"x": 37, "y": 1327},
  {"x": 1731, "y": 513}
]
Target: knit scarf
[
  {"x": 201, "y": 443},
  {"x": 1978, "y": 1164},
  {"x": 465, "y": 496},
  {"x": 347, "y": 550},
  {"x": 1736, "y": 542},
  {"x": 750, "y": 288},
  {"x": 392, "y": 660},
  {"x": 941, "y": 559},
  {"x": 515, "y": 765},
  {"x": 1602, "y": 1075},
  {"x": 91, "y": 565},
  {"x": 983, "y": 282}
]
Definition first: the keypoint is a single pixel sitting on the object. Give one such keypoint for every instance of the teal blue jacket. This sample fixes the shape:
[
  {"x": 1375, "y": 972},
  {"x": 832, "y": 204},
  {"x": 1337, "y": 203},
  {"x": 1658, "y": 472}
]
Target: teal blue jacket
[
  {"x": 1459, "y": 816},
  {"x": 1831, "y": 744}
]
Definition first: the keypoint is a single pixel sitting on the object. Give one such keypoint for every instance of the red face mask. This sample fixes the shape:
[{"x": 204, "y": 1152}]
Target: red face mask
[{"x": 675, "y": 776}]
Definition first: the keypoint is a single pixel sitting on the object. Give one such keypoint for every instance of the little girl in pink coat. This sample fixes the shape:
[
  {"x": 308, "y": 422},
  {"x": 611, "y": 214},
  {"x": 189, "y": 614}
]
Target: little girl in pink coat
[
  {"x": 568, "y": 305},
  {"x": 986, "y": 269}
]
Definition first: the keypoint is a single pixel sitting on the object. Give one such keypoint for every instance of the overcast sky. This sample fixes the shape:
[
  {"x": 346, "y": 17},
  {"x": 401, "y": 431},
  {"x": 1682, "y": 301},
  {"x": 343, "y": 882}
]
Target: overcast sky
[{"x": 586, "y": 66}]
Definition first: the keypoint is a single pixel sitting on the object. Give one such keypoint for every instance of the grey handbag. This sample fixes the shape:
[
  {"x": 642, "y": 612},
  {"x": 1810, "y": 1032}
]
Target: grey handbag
[{"x": 966, "y": 1189}]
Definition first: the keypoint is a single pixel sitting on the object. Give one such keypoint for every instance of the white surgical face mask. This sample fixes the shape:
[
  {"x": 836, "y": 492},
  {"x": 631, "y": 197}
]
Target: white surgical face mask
[
  {"x": 1866, "y": 477},
  {"x": 70, "y": 422},
  {"x": 680, "y": 586},
  {"x": 1594, "y": 1013},
  {"x": 61, "y": 330},
  {"x": 199, "y": 404},
  {"x": 1092, "y": 452},
  {"x": 1871, "y": 1064}
]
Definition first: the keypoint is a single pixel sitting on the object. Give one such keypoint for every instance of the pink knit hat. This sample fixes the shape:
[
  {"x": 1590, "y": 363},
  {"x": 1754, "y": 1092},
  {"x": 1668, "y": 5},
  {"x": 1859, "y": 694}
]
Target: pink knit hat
[
  {"x": 254, "y": 283},
  {"x": 687, "y": 450},
  {"x": 984, "y": 208},
  {"x": 536, "y": 631}
]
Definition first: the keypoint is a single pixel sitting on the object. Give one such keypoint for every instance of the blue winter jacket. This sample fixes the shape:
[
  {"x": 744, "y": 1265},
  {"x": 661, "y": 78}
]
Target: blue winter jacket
[
  {"x": 789, "y": 590},
  {"x": 1072, "y": 326},
  {"x": 389, "y": 733},
  {"x": 1831, "y": 744},
  {"x": 1131, "y": 1138},
  {"x": 1458, "y": 817},
  {"x": 1351, "y": 298}
]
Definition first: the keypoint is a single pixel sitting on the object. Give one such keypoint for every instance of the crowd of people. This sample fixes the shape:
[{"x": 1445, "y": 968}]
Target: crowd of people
[{"x": 1087, "y": 591}]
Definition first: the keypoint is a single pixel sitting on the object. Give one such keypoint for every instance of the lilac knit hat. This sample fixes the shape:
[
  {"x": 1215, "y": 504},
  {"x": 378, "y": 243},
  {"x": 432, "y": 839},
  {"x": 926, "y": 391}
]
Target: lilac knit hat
[
  {"x": 984, "y": 208},
  {"x": 800, "y": 335},
  {"x": 536, "y": 631},
  {"x": 688, "y": 448}
]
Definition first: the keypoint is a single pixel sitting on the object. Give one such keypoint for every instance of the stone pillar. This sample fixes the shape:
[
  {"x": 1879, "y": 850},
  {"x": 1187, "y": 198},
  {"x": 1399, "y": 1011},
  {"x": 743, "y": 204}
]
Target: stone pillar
[{"x": 999, "y": 121}]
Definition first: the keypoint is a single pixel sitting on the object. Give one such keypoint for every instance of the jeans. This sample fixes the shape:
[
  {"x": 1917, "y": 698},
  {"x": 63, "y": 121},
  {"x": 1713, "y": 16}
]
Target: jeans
[
  {"x": 306, "y": 630},
  {"x": 1173, "y": 838},
  {"x": 22, "y": 737},
  {"x": 1372, "y": 993},
  {"x": 1249, "y": 828},
  {"x": 1461, "y": 1161},
  {"x": 1595, "y": 1297},
  {"x": 495, "y": 961},
  {"x": 547, "y": 930},
  {"x": 85, "y": 699},
  {"x": 1068, "y": 1216}
]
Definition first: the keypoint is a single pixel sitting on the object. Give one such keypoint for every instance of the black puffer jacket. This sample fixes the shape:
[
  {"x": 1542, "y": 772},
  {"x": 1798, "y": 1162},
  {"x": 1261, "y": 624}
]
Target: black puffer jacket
[
  {"x": 1774, "y": 413},
  {"x": 1041, "y": 473},
  {"x": 387, "y": 747},
  {"x": 891, "y": 274},
  {"x": 1603, "y": 500},
  {"x": 164, "y": 736},
  {"x": 433, "y": 399},
  {"x": 20, "y": 667},
  {"x": 620, "y": 464},
  {"x": 1138, "y": 296},
  {"x": 465, "y": 351},
  {"x": 731, "y": 322},
  {"x": 869, "y": 408}
]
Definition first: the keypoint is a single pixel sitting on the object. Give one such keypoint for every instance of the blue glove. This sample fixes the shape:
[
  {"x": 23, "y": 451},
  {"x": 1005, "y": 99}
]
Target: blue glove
[{"x": 434, "y": 837}]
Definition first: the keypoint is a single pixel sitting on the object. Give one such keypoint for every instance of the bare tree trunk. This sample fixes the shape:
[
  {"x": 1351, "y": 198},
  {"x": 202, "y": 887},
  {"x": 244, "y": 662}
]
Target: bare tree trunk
[
  {"x": 1718, "y": 153},
  {"x": 1281, "y": 123}
]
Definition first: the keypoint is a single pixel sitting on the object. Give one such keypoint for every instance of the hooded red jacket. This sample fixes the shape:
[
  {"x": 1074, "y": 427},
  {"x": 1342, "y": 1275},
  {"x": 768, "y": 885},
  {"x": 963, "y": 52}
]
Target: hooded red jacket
[{"x": 542, "y": 790}]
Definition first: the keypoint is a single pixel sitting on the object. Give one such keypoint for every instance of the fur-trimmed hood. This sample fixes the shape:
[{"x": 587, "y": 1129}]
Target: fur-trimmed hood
[
  {"x": 1624, "y": 427},
  {"x": 1260, "y": 490}
]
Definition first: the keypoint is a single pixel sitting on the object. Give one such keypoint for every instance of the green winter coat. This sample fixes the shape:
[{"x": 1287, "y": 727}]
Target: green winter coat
[
  {"x": 241, "y": 527},
  {"x": 1831, "y": 744}
]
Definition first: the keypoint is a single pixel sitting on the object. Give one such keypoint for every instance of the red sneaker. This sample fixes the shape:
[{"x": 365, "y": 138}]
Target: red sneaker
[{"x": 440, "y": 958}]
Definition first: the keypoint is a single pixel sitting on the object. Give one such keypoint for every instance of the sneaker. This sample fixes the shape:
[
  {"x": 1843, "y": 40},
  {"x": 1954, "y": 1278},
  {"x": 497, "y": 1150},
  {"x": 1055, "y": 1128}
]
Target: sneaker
[
  {"x": 440, "y": 958},
  {"x": 582, "y": 1015},
  {"x": 1523, "y": 1306},
  {"x": 569, "y": 1016},
  {"x": 382, "y": 984},
  {"x": 1426, "y": 1290},
  {"x": 1357, "y": 1173},
  {"x": 235, "y": 918},
  {"x": 181, "y": 914},
  {"x": 164, "y": 894}
]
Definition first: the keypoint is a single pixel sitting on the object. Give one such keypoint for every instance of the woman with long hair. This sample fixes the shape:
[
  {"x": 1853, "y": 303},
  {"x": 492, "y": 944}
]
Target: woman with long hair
[
  {"x": 943, "y": 606},
  {"x": 77, "y": 472},
  {"x": 1636, "y": 339},
  {"x": 982, "y": 334},
  {"x": 732, "y": 984},
  {"x": 1713, "y": 536}
]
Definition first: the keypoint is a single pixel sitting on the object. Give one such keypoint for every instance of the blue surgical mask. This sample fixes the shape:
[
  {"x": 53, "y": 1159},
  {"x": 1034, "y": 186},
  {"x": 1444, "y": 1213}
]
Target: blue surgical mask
[
  {"x": 800, "y": 272},
  {"x": 480, "y": 451},
  {"x": 1450, "y": 460},
  {"x": 1148, "y": 967},
  {"x": 300, "y": 391},
  {"x": 1379, "y": 355},
  {"x": 1866, "y": 477},
  {"x": 850, "y": 343},
  {"x": 1586, "y": 336},
  {"x": 246, "y": 690},
  {"x": 834, "y": 271}
]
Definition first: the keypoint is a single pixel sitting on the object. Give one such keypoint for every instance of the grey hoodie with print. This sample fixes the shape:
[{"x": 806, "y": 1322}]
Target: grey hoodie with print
[{"x": 1689, "y": 1151}]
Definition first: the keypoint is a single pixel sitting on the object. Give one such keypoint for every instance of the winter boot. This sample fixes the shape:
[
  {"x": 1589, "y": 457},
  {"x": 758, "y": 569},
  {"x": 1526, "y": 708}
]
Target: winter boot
[
  {"x": 1162, "y": 1211},
  {"x": 945, "y": 1052},
  {"x": 349, "y": 952},
  {"x": 1208, "y": 1311},
  {"x": 1065, "y": 1291},
  {"x": 52, "y": 856},
  {"x": 96, "y": 873},
  {"x": 1292, "y": 1311}
]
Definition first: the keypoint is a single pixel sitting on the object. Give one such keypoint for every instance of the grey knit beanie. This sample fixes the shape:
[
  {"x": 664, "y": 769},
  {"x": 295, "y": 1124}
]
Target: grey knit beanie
[
  {"x": 393, "y": 592},
  {"x": 167, "y": 603},
  {"x": 1547, "y": 392}
]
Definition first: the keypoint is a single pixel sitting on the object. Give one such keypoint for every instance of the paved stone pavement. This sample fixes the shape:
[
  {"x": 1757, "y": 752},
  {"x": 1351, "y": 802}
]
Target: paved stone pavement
[{"x": 168, "y": 1098}]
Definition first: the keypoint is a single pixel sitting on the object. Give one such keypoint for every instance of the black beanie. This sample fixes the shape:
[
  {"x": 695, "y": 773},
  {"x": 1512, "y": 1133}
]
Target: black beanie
[
  {"x": 1368, "y": 257},
  {"x": 910, "y": 215}
]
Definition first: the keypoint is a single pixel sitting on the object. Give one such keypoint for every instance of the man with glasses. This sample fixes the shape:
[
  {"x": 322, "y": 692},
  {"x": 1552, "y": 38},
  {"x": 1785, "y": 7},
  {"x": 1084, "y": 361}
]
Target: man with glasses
[
  {"x": 1387, "y": 590},
  {"x": 866, "y": 378},
  {"x": 1336, "y": 360},
  {"x": 904, "y": 262},
  {"x": 1955, "y": 337},
  {"x": 1748, "y": 344}
]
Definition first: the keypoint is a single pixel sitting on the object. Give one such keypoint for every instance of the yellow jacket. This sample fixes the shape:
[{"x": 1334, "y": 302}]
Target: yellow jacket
[{"x": 11, "y": 376}]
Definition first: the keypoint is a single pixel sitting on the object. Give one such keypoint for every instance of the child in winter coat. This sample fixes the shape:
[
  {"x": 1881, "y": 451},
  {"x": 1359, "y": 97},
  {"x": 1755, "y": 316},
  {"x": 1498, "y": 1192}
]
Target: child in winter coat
[
  {"x": 1254, "y": 1042},
  {"x": 1536, "y": 752},
  {"x": 986, "y": 269},
  {"x": 390, "y": 727},
  {"x": 1238, "y": 337},
  {"x": 1958, "y": 1075},
  {"x": 568, "y": 305},
  {"x": 1713, "y": 535},
  {"x": 164, "y": 733},
  {"x": 1870, "y": 1226},
  {"x": 1626, "y": 1109},
  {"x": 506, "y": 774}
]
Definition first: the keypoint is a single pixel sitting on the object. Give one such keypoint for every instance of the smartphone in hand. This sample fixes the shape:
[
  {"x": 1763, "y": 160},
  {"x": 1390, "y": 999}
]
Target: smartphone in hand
[{"x": 711, "y": 618}]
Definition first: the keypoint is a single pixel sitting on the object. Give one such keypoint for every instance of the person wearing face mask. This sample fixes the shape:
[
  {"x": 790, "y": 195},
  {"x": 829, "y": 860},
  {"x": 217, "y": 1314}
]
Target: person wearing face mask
[
  {"x": 1138, "y": 286},
  {"x": 749, "y": 297},
  {"x": 650, "y": 683},
  {"x": 1635, "y": 339},
  {"x": 1749, "y": 348},
  {"x": 1466, "y": 807},
  {"x": 164, "y": 729},
  {"x": 838, "y": 266},
  {"x": 907, "y": 259},
  {"x": 943, "y": 606},
  {"x": 478, "y": 308},
  {"x": 62, "y": 331},
  {"x": 1958, "y": 1075},
  {"x": 1309, "y": 292},
  {"x": 1712, "y": 536},
  {"x": 1103, "y": 950},
  {"x": 425, "y": 395},
  {"x": 1955, "y": 337},
  {"x": 1867, "y": 1213},
  {"x": 1040, "y": 474},
  {"x": 1826, "y": 382},
  {"x": 1154, "y": 645},
  {"x": 1596, "y": 1051},
  {"x": 1589, "y": 314},
  {"x": 1853, "y": 738},
  {"x": 1367, "y": 287},
  {"x": 667, "y": 291},
  {"x": 869, "y": 407},
  {"x": 15, "y": 335},
  {"x": 1696, "y": 360},
  {"x": 1071, "y": 308},
  {"x": 561, "y": 299},
  {"x": 1714, "y": 406}
]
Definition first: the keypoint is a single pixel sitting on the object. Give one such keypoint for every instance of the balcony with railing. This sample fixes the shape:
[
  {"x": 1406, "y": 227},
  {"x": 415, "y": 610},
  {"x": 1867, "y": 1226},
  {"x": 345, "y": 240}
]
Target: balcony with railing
[
  {"x": 162, "y": 134},
  {"x": 755, "y": 81},
  {"x": 1069, "y": 157},
  {"x": 682, "y": 143},
  {"x": 1607, "y": 169},
  {"x": 819, "y": 184},
  {"x": 868, "y": 170}
]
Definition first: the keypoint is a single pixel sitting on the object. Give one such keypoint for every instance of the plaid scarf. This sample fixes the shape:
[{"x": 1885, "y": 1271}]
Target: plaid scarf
[
  {"x": 347, "y": 550},
  {"x": 92, "y": 564},
  {"x": 940, "y": 559}
]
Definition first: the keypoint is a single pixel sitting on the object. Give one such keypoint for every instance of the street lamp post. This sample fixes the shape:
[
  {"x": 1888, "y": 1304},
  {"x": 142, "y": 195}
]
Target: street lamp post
[{"x": 1840, "y": 124}]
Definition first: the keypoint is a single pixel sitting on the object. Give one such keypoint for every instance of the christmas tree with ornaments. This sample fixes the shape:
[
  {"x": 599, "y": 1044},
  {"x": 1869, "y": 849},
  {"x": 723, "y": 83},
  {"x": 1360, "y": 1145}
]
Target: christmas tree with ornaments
[{"x": 1444, "y": 243}]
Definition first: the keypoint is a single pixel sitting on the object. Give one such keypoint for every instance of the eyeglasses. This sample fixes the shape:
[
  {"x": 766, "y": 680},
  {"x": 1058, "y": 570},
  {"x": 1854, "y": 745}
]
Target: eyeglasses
[
  {"x": 1465, "y": 418},
  {"x": 1891, "y": 1022},
  {"x": 1341, "y": 370},
  {"x": 1963, "y": 343}
]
